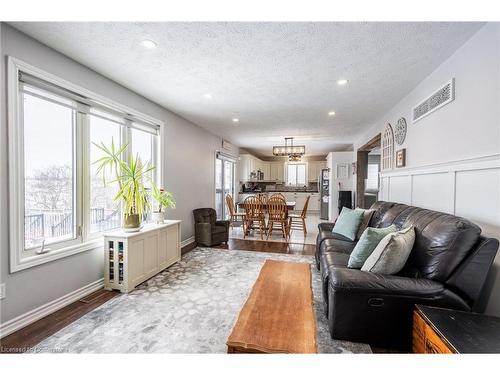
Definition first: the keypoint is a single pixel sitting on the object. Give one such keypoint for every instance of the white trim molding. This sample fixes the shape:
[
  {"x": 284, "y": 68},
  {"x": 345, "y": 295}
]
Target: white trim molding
[
  {"x": 187, "y": 241},
  {"x": 42, "y": 311}
]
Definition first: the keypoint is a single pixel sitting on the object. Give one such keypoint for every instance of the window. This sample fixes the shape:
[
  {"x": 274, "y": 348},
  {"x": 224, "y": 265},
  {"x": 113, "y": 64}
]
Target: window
[
  {"x": 49, "y": 171},
  {"x": 59, "y": 206},
  {"x": 371, "y": 182},
  {"x": 296, "y": 174},
  {"x": 104, "y": 212}
]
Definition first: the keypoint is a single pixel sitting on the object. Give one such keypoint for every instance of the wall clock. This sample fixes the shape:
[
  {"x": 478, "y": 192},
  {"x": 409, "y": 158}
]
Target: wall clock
[{"x": 400, "y": 131}]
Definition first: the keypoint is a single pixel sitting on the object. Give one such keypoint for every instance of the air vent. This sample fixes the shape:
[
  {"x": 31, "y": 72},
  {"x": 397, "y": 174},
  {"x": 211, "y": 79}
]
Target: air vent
[{"x": 441, "y": 97}]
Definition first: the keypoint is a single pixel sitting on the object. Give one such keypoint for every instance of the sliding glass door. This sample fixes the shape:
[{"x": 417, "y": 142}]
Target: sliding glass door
[{"x": 224, "y": 184}]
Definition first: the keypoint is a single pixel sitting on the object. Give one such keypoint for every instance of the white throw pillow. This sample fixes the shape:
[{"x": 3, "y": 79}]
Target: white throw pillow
[{"x": 392, "y": 252}]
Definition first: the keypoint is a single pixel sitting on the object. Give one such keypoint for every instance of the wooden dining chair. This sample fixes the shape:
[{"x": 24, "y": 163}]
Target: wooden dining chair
[
  {"x": 263, "y": 198},
  {"x": 278, "y": 195},
  {"x": 254, "y": 216},
  {"x": 233, "y": 214},
  {"x": 277, "y": 211},
  {"x": 298, "y": 221}
]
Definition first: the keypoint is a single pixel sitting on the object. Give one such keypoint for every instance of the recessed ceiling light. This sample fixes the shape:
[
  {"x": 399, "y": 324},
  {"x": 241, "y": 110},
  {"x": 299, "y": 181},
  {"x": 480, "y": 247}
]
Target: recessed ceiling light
[
  {"x": 342, "y": 82},
  {"x": 149, "y": 44},
  {"x": 236, "y": 120},
  {"x": 207, "y": 96},
  {"x": 331, "y": 113}
]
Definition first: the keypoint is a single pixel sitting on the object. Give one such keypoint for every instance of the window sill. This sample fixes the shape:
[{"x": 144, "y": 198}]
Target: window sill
[{"x": 35, "y": 260}]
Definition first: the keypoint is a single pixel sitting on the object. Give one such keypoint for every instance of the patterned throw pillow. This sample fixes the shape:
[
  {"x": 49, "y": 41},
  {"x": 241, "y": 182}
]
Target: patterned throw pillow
[
  {"x": 366, "y": 244},
  {"x": 348, "y": 223},
  {"x": 391, "y": 254}
]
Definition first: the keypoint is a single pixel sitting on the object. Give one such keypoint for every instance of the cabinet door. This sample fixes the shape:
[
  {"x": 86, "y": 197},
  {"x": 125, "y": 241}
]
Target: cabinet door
[
  {"x": 266, "y": 168},
  {"x": 281, "y": 172},
  {"x": 151, "y": 254},
  {"x": 135, "y": 261},
  {"x": 314, "y": 202},
  {"x": 162, "y": 249},
  {"x": 311, "y": 171},
  {"x": 173, "y": 246},
  {"x": 275, "y": 172},
  {"x": 243, "y": 167}
]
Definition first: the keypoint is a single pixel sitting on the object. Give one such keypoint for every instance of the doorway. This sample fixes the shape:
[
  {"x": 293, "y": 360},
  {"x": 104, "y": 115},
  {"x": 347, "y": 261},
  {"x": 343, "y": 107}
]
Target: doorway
[
  {"x": 224, "y": 183},
  {"x": 368, "y": 172}
]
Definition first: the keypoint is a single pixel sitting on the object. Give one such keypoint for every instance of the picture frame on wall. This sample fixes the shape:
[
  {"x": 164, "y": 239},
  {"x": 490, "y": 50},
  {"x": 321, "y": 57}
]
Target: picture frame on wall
[
  {"x": 342, "y": 171},
  {"x": 401, "y": 158}
]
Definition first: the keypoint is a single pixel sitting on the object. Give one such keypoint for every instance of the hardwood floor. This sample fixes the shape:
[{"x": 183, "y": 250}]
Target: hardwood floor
[
  {"x": 33, "y": 334},
  {"x": 269, "y": 247},
  {"x": 29, "y": 336}
]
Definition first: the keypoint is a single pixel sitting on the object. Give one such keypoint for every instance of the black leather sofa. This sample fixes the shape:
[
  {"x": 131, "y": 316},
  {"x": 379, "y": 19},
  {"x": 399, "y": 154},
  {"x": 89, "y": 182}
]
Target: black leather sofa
[{"x": 447, "y": 267}]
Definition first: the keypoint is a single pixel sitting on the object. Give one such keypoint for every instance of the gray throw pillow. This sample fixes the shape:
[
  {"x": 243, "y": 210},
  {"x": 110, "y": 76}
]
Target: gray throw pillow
[
  {"x": 391, "y": 254},
  {"x": 367, "y": 215},
  {"x": 366, "y": 244},
  {"x": 348, "y": 222}
]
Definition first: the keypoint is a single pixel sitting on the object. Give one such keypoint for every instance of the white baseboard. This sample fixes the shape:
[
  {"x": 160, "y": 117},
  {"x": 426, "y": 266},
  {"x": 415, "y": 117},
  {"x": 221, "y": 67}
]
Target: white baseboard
[
  {"x": 187, "y": 241},
  {"x": 38, "y": 313}
]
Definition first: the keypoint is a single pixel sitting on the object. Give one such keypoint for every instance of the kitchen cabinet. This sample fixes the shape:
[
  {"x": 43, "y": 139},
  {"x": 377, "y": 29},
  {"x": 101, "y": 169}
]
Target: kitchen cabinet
[
  {"x": 277, "y": 171},
  {"x": 314, "y": 169},
  {"x": 265, "y": 167},
  {"x": 249, "y": 163}
]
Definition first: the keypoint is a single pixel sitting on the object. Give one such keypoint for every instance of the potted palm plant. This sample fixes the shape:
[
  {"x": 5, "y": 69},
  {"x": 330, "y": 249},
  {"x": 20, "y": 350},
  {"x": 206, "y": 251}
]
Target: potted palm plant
[
  {"x": 130, "y": 176},
  {"x": 164, "y": 200}
]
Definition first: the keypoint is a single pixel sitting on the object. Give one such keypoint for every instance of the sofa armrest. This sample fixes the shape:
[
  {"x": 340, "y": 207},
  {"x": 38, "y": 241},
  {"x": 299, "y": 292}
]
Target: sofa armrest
[
  {"x": 357, "y": 281},
  {"x": 326, "y": 227}
]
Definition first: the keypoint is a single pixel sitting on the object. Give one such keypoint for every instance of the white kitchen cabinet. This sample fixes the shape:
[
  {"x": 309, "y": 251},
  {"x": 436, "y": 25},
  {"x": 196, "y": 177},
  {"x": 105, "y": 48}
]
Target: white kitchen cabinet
[
  {"x": 132, "y": 258},
  {"x": 265, "y": 167},
  {"x": 314, "y": 169},
  {"x": 277, "y": 171}
]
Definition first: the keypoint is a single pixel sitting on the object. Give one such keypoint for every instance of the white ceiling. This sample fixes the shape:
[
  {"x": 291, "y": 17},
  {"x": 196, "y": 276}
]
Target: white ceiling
[{"x": 279, "y": 79}]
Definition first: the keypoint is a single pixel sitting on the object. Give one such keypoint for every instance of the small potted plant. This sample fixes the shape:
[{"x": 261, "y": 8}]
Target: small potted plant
[
  {"x": 164, "y": 200},
  {"x": 130, "y": 177}
]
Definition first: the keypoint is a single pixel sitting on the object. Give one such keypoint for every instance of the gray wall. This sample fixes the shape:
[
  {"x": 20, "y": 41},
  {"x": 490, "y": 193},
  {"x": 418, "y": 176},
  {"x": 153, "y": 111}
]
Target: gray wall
[
  {"x": 467, "y": 128},
  {"x": 189, "y": 170}
]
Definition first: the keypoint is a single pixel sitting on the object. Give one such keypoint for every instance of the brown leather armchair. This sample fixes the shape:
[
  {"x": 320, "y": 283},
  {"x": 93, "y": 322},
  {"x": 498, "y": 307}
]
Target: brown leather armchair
[{"x": 208, "y": 230}]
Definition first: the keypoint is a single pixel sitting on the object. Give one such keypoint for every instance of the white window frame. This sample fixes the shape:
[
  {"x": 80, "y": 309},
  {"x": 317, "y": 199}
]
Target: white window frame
[
  {"x": 19, "y": 257},
  {"x": 297, "y": 163}
]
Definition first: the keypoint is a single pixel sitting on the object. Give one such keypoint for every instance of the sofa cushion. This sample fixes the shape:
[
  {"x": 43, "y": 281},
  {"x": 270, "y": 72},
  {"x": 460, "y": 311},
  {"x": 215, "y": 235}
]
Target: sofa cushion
[
  {"x": 366, "y": 244},
  {"x": 348, "y": 223},
  {"x": 334, "y": 244},
  {"x": 442, "y": 241},
  {"x": 390, "y": 255},
  {"x": 380, "y": 208},
  {"x": 367, "y": 215}
]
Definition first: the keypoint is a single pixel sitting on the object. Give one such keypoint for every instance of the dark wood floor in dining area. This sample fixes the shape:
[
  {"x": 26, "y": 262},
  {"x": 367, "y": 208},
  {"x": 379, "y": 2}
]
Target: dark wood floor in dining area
[{"x": 268, "y": 247}]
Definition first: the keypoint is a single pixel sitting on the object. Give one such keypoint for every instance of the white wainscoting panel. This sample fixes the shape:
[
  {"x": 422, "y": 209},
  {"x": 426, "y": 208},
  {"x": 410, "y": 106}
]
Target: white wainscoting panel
[
  {"x": 468, "y": 188},
  {"x": 434, "y": 191},
  {"x": 384, "y": 188},
  {"x": 400, "y": 189},
  {"x": 478, "y": 198}
]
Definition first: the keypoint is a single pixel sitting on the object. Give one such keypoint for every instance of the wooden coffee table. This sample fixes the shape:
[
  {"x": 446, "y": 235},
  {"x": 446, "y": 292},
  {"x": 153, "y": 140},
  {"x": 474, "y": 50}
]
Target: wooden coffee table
[{"x": 278, "y": 316}]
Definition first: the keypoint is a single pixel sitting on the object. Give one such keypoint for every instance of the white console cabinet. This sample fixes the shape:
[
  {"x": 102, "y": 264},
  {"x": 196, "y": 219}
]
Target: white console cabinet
[{"x": 132, "y": 258}]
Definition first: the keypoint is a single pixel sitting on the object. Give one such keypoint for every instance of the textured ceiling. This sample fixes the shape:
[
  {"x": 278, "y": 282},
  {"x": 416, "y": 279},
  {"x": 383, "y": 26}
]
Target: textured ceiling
[{"x": 279, "y": 79}]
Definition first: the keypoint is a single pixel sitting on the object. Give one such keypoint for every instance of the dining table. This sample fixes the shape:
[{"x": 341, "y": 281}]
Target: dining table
[{"x": 290, "y": 206}]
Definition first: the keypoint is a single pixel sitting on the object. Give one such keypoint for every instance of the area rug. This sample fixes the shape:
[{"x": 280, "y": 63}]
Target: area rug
[{"x": 189, "y": 308}]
